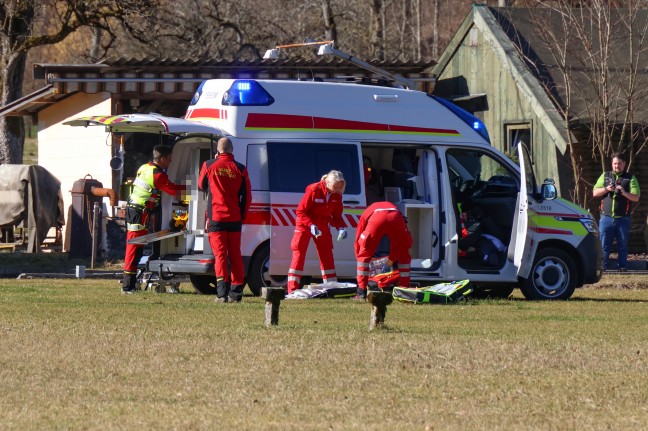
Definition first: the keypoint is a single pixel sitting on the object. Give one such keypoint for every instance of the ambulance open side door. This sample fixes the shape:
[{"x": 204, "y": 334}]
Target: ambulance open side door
[
  {"x": 523, "y": 257},
  {"x": 292, "y": 166}
]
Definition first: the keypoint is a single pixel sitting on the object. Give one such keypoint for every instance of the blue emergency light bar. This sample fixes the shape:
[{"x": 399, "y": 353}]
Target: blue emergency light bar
[
  {"x": 197, "y": 94},
  {"x": 468, "y": 118},
  {"x": 247, "y": 92}
]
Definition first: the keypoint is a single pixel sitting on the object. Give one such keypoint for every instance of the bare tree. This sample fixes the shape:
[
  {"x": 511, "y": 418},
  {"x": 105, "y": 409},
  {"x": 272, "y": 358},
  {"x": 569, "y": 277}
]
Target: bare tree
[
  {"x": 595, "y": 55},
  {"x": 17, "y": 37},
  {"x": 330, "y": 29},
  {"x": 377, "y": 29}
]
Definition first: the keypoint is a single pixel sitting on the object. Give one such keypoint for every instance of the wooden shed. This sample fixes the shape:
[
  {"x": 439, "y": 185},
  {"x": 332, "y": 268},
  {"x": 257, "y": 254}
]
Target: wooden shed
[{"x": 496, "y": 67}]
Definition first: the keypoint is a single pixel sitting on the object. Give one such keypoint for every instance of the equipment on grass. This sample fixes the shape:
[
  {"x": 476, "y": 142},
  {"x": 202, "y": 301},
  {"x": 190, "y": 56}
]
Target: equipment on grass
[
  {"x": 442, "y": 293},
  {"x": 384, "y": 281},
  {"x": 325, "y": 290}
]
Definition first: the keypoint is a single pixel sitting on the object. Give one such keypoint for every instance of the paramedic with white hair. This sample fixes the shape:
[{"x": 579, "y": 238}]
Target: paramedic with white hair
[{"x": 320, "y": 207}]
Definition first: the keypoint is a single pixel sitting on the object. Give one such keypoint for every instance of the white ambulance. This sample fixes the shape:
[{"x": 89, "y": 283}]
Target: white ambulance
[{"x": 473, "y": 213}]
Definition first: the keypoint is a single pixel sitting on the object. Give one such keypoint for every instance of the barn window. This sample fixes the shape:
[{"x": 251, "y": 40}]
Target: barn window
[{"x": 518, "y": 132}]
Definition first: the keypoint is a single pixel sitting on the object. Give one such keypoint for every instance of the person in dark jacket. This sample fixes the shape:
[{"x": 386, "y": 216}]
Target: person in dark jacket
[
  {"x": 619, "y": 190},
  {"x": 229, "y": 201},
  {"x": 150, "y": 182}
]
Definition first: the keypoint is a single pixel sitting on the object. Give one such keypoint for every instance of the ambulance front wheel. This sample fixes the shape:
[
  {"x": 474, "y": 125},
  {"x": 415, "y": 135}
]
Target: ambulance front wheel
[
  {"x": 553, "y": 276},
  {"x": 259, "y": 273}
]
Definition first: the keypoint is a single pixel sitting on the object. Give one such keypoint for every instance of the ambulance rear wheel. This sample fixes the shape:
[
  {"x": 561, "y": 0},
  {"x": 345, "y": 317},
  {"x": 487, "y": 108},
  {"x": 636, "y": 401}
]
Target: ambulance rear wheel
[
  {"x": 259, "y": 273},
  {"x": 552, "y": 277},
  {"x": 205, "y": 284}
]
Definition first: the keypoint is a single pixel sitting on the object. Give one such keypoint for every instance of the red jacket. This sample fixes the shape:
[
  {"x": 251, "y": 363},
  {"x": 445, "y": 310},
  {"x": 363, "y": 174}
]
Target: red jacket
[
  {"x": 163, "y": 183},
  {"x": 229, "y": 188},
  {"x": 364, "y": 219},
  {"x": 319, "y": 207}
]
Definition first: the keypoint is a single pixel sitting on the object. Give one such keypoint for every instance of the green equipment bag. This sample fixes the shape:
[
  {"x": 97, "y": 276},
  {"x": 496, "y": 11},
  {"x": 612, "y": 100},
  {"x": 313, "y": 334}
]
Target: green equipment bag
[{"x": 443, "y": 293}]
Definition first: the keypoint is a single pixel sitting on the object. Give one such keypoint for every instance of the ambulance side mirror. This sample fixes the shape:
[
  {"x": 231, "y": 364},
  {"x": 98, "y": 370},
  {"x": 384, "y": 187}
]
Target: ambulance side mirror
[{"x": 548, "y": 190}]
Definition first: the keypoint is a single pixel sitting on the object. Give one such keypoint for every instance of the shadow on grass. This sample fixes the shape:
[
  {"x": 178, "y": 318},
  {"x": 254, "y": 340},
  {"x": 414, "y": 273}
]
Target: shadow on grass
[{"x": 638, "y": 301}]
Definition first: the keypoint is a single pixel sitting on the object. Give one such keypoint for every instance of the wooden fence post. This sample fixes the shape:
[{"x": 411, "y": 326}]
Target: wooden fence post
[
  {"x": 273, "y": 297},
  {"x": 379, "y": 301}
]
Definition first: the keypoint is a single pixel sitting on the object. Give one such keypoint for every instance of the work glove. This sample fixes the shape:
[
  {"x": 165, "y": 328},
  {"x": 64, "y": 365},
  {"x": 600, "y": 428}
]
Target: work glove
[
  {"x": 342, "y": 233},
  {"x": 315, "y": 231}
]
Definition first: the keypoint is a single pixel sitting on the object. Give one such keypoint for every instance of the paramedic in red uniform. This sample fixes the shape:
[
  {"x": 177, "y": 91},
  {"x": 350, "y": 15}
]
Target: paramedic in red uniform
[
  {"x": 229, "y": 202},
  {"x": 320, "y": 207},
  {"x": 150, "y": 181},
  {"x": 378, "y": 220}
]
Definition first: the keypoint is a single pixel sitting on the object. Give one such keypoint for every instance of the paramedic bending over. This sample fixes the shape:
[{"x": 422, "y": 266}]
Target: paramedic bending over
[
  {"x": 378, "y": 220},
  {"x": 320, "y": 207}
]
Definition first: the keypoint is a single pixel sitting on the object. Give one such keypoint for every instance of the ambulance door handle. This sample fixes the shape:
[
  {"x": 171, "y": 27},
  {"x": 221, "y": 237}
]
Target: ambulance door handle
[{"x": 351, "y": 202}]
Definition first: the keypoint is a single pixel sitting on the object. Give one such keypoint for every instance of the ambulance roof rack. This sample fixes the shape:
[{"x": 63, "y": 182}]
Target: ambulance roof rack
[{"x": 326, "y": 48}]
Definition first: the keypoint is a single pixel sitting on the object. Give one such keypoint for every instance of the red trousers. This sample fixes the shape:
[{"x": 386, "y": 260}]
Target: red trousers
[
  {"x": 134, "y": 252},
  {"x": 381, "y": 223},
  {"x": 299, "y": 247},
  {"x": 227, "y": 255}
]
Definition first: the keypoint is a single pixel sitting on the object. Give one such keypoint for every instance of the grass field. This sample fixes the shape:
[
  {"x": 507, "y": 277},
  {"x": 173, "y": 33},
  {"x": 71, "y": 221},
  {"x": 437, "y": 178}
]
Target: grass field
[{"x": 77, "y": 354}]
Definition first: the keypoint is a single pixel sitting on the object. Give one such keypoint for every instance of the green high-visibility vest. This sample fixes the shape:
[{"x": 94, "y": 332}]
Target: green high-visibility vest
[{"x": 143, "y": 186}]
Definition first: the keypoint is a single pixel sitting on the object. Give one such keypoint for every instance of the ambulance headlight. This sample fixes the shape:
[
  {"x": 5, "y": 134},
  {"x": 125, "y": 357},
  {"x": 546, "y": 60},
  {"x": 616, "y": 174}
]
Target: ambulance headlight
[
  {"x": 590, "y": 225},
  {"x": 247, "y": 92}
]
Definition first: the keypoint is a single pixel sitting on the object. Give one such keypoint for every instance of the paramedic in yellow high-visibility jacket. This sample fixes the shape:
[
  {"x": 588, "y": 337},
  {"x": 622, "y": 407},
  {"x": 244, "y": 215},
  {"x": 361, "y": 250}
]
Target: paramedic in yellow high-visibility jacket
[{"x": 150, "y": 181}]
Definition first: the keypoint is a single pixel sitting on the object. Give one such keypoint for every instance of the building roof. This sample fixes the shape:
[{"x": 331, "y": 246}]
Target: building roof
[
  {"x": 516, "y": 36},
  {"x": 179, "y": 78},
  {"x": 541, "y": 35}
]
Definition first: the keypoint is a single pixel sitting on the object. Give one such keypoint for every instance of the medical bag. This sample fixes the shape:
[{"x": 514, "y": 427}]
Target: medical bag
[{"x": 443, "y": 293}]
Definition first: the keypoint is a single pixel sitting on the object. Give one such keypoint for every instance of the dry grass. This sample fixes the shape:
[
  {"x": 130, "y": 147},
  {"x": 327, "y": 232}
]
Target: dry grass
[{"x": 76, "y": 354}]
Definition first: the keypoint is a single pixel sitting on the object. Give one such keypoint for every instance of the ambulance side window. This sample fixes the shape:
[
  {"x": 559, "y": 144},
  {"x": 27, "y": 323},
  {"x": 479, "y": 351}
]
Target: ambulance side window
[
  {"x": 257, "y": 166},
  {"x": 293, "y": 166}
]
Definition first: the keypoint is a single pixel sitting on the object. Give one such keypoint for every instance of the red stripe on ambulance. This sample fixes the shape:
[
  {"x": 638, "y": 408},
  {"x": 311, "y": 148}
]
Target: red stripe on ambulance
[
  {"x": 279, "y": 121},
  {"x": 284, "y": 121},
  {"x": 260, "y": 217},
  {"x": 549, "y": 231},
  {"x": 278, "y": 219},
  {"x": 206, "y": 113},
  {"x": 352, "y": 220},
  {"x": 290, "y": 216},
  {"x": 332, "y": 123}
]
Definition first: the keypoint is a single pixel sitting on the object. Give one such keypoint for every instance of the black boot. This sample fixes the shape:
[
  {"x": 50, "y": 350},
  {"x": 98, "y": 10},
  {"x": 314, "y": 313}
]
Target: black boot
[
  {"x": 129, "y": 283},
  {"x": 361, "y": 294},
  {"x": 236, "y": 292},
  {"x": 222, "y": 290}
]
